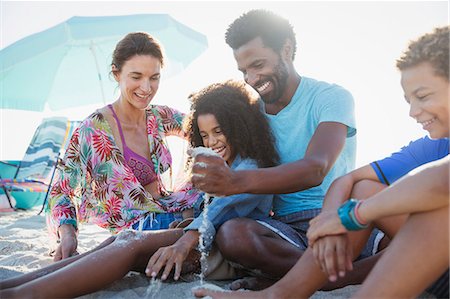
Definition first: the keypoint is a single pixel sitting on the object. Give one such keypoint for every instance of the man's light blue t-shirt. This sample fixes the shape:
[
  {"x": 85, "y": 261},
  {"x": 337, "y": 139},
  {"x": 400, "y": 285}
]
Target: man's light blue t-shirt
[{"x": 313, "y": 102}]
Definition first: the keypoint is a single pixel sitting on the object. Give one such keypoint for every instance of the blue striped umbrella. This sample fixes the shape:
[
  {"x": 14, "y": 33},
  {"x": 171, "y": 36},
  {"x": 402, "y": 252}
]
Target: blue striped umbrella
[{"x": 68, "y": 65}]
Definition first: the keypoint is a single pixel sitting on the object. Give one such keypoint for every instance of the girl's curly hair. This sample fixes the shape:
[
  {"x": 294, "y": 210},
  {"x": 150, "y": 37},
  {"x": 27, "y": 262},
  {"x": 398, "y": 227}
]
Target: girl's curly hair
[{"x": 241, "y": 119}]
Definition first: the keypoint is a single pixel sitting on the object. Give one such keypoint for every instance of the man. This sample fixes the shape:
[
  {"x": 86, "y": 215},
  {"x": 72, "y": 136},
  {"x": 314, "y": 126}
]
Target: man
[{"x": 313, "y": 123}]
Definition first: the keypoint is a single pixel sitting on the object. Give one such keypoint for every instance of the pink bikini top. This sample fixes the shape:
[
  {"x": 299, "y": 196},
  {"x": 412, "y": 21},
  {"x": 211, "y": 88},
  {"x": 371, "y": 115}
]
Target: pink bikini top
[{"x": 141, "y": 167}]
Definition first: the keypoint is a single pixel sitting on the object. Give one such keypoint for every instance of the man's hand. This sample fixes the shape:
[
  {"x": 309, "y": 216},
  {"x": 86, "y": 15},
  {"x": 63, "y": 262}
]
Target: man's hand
[
  {"x": 68, "y": 242},
  {"x": 211, "y": 175},
  {"x": 334, "y": 255}
]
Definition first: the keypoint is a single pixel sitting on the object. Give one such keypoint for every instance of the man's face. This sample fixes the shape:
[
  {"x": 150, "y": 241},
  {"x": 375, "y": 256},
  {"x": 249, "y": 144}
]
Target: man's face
[{"x": 263, "y": 69}]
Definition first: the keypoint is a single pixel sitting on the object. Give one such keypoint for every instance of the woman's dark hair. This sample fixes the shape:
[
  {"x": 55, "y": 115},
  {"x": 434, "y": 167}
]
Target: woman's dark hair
[
  {"x": 272, "y": 28},
  {"x": 136, "y": 43},
  {"x": 238, "y": 112}
]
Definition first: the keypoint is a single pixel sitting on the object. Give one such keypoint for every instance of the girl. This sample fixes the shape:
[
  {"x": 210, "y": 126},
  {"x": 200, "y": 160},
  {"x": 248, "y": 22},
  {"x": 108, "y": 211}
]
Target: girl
[{"x": 225, "y": 117}]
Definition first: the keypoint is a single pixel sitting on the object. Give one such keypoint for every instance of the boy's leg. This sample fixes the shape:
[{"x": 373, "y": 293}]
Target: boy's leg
[{"x": 415, "y": 258}]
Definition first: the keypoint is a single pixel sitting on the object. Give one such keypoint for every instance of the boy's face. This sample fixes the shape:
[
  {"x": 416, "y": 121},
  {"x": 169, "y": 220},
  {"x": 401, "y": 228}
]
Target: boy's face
[
  {"x": 428, "y": 96},
  {"x": 263, "y": 69}
]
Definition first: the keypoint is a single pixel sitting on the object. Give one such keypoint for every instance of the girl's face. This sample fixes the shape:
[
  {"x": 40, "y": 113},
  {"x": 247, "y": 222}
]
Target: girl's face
[
  {"x": 428, "y": 96},
  {"x": 139, "y": 80},
  {"x": 213, "y": 137}
]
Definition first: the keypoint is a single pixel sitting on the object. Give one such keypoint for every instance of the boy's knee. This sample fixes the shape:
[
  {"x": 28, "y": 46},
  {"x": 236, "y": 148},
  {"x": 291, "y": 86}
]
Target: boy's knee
[{"x": 366, "y": 188}]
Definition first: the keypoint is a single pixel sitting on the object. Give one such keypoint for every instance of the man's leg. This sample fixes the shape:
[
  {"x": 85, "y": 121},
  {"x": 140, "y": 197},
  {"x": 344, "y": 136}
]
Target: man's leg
[
  {"x": 240, "y": 242},
  {"x": 254, "y": 246}
]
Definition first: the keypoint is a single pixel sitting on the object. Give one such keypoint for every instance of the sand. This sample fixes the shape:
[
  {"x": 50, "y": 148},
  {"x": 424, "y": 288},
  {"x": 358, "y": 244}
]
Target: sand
[{"x": 24, "y": 246}]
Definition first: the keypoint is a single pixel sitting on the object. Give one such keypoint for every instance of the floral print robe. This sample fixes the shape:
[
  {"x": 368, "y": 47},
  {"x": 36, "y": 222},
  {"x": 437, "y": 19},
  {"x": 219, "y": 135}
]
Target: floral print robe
[{"x": 95, "y": 184}]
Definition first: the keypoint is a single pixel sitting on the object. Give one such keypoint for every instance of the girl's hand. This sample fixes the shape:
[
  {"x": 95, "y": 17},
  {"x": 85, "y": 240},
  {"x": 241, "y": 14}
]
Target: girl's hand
[
  {"x": 326, "y": 223},
  {"x": 173, "y": 255},
  {"x": 167, "y": 258}
]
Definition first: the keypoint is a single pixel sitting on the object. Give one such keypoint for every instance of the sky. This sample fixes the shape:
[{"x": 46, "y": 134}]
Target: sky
[{"x": 354, "y": 44}]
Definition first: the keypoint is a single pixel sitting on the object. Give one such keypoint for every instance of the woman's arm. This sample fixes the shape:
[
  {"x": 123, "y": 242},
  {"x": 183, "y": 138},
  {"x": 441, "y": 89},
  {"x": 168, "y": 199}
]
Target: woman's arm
[{"x": 61, "y": 218}]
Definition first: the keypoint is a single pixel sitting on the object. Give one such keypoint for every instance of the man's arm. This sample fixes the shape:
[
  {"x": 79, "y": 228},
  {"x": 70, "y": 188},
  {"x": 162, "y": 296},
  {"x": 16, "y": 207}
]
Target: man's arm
[{"x": 323, "y": 150}]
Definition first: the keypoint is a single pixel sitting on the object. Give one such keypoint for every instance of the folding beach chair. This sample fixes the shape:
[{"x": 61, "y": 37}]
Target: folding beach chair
[{"x": 34, "y": 173}]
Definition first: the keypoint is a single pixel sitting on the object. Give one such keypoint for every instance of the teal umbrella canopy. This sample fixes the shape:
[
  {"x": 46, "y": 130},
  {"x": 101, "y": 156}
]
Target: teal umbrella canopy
[{"x": 68, "y": 65}]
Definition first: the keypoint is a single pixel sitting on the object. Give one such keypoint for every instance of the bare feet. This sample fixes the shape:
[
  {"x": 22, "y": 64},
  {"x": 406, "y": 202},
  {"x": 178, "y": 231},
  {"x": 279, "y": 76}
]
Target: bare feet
[
  {"x": 251, "y": 283},
  {"x": 215, "y": 294}
]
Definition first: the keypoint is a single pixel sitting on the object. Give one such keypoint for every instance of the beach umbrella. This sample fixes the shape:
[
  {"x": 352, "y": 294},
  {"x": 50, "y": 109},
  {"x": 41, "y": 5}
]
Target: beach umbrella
[{"x": 68, "y": 65}]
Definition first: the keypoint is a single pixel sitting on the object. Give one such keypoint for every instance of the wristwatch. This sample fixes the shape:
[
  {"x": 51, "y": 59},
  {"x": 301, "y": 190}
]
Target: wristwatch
[{"x": 346, "y": 213}]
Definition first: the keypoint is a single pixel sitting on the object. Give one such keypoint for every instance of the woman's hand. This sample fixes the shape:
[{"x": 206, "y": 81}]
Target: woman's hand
[
  {"x": 68, "y": 242},
  {"x": 326, "y": 223},
  {"x": 170, "y": 256}
]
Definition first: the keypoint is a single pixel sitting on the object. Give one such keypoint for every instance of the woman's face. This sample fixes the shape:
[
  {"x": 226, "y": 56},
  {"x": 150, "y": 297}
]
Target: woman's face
[
  {"x": 428, "y": 96},
  {"x": 213, "y": 137},
  {"x": 139, "y": 80}
]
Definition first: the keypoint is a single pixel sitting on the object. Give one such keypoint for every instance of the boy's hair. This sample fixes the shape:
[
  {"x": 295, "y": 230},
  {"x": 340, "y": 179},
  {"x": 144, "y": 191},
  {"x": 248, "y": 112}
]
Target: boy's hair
[
  {"x": 273, "y": 30},
  {"x": 432, "y": 48},
  {"x": 239, "y": 114}
]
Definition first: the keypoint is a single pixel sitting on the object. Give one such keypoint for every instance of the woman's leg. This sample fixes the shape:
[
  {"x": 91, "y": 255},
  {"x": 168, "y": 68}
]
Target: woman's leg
[
  {"x": 129, "y": 251},
  {"x": 21, "y": 279},
  {"x": 416, "y": 257}
]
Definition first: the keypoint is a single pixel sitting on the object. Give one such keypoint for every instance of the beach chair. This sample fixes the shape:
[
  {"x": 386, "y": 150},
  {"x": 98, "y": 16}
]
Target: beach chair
[{"x": 29, "y": 180}]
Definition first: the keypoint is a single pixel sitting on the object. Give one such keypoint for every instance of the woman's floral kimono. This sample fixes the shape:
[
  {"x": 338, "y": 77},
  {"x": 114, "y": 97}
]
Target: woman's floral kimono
[{"x": 95, "y": 184}]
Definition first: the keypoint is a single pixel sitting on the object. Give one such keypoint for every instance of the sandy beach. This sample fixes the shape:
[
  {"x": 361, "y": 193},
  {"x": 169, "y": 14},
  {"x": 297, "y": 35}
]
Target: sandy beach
[{"x": 24, "y": 246}]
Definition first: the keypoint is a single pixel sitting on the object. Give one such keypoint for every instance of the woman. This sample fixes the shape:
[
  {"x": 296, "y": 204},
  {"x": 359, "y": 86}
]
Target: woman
[
  {"x": 414, "y": 211},
  {"x": 112, "y": 169},
  {"x": 246, "y": 142}
]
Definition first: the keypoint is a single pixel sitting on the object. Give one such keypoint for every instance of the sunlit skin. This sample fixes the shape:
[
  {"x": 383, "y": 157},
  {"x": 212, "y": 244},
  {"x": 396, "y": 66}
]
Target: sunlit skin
[
  {"x": 428, "y": 95},
  {"x": 138, "y": 80},
  {"x": 213, "y": 137},
  {"x": 268, "y": 72}
]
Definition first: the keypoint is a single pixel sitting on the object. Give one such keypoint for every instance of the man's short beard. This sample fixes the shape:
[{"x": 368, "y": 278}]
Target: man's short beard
[{"x": 281, "y": 74}]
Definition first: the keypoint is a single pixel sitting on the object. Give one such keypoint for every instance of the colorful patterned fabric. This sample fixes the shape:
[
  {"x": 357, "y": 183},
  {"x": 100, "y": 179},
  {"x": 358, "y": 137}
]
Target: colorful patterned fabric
[{"x": 95, "y": 183}]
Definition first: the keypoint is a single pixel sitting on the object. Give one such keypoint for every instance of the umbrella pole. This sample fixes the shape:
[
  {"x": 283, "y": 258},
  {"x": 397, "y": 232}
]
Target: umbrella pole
[{"x": 91, "y": 47}]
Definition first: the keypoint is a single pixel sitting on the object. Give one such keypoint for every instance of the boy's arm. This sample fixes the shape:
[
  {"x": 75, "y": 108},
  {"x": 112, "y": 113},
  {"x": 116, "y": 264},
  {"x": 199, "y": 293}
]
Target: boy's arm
[{"x": 420, "y": 192}]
